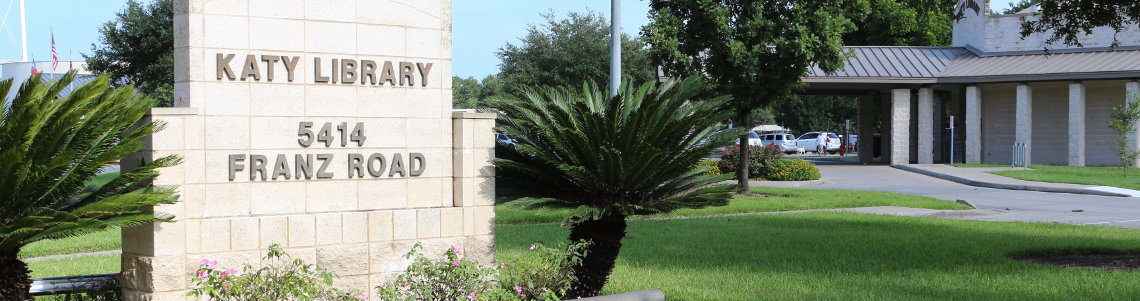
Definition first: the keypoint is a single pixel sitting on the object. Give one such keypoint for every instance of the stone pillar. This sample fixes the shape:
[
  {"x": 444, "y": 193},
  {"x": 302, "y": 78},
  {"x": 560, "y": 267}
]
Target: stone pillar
[
  {"x": 925, "y": 126},
  {"x": 1076, "y": 124},
  {"x": 866, "y": 129},
  {"x": 973, "y": 125},
  {"x": 1023, "y": 130},
  {"x": 474, "y": 179},
  {"x": 900, "y": 127},
  {"x": 1132, "y": 91},
  {"x": 885, "y": 131}
]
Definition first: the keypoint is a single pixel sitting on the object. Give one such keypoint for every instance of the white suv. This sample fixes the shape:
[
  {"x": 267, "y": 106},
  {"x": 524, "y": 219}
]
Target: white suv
[
  {"x": 786, "y": 142},
  {"x": 807, "y": 142}
]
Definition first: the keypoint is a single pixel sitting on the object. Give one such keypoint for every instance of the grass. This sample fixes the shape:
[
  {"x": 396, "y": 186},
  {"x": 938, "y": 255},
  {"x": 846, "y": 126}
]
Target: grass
[
  {"x": 772, "y": 199},
  {"x": 99, "y": 241},
  {"x": 100, "y": 180},
  {"x": 85, "y": 265},
  {"x": 979, "y": 165},
  {"x": 1103, "y": 176},
  {"x": 844, "y": 256}
]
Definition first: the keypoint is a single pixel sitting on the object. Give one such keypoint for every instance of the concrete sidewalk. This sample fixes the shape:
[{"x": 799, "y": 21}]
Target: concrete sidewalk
[{"x": 981, "y": 177}]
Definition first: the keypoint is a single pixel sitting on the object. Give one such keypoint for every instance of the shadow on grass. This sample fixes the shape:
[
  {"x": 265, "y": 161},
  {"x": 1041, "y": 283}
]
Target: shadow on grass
[{"x": 853, "y": 256}]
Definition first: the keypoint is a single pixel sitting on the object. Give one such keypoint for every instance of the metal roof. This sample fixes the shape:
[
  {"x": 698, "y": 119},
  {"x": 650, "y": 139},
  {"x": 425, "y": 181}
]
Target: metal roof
[
  {"x": 931, "y": 65},
  {"x": 1057, "y": 66},
  {"x": 895, "y": 62}
]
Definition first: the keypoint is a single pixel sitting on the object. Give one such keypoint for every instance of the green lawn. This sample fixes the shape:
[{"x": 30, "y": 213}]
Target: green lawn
[
  {"x": 99, "y": 241},
  {"x": 100, "y": 180},
  {"x": 848, "y": 256},
  {"x": 772, "y": 199},
  {"x": 1104, "y": 176},
  {"x": 86, "y": 265}
]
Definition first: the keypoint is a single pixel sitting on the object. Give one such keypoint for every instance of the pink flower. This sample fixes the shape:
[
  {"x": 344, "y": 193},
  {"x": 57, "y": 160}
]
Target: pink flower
[
  {"x": 532, "y": 246},
  {"x": 472, "y": 296},
  {"x": 518, "y": 289},
  {"x": 406, "y": 285},
  {"x": 201, "y": 273},
  {"x": 455, "y": 250},
  {"x": 502, "y": 265},
  {"x": 209, "y": 263},
  {"x": 523, "y": 296},
  {"x": 455, "y": 263}
]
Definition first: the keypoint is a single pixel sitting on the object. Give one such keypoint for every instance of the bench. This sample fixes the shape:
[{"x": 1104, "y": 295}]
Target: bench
[{"x": 71, "y": 284}]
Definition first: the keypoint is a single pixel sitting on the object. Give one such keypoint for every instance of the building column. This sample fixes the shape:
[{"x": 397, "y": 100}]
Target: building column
[
  {"x": 1132, "y": 89},
  {"x": 973, "y": 125},
  {"x": 900, "y": 127},
  {"x": 1076, "y": 124},
  {"x": 866, "y": 142},
  {"x": 1024, "y": 124},
  {"x": 926, "y": 126}
]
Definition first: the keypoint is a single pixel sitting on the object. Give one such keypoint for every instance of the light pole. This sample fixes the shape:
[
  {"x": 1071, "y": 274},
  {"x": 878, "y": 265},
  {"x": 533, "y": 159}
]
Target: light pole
[
  {"x": 615, "y": 46},
  {"x": 23, "y": 33}
]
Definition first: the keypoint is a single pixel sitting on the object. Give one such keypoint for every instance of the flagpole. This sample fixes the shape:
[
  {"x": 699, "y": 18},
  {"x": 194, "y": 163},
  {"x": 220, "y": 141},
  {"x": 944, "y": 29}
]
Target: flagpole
[{"x": 23, "y": 32}]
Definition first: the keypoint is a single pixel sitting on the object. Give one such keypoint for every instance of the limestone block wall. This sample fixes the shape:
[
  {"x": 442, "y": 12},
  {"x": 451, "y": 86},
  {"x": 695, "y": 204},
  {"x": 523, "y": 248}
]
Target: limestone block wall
[
  {"x": 998, "y": 122},
  {"x": 359, "y": 224},
  {"x": 1050, "y": 123},
  {"x": 1002, "y": 33},
  {"x": 1100, "y": 140}
]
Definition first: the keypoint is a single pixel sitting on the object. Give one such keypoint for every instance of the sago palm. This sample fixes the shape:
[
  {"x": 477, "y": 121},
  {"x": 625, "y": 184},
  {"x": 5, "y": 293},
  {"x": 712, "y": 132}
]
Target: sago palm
[
  {"x": 51, "y": 145},
  {"x": 613, "y": 157}
]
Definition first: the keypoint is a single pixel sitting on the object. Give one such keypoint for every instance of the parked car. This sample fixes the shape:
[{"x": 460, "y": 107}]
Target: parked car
[
  {"x": 807, "y": 142},
  {"x": 504, "y": 139},
  {"x": 786, "y": 142},
  {"x": 753, "y": 139}
]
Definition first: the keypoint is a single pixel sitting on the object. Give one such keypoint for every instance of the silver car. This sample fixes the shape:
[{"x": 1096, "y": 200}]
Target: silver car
[
  {"x": 807, "y": 142},
  {"x": 786, "y": 142}
]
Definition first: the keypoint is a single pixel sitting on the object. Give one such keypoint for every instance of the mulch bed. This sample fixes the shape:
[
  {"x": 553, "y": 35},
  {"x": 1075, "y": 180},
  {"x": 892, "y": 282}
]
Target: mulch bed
[{"x": 1093, "y": 261}]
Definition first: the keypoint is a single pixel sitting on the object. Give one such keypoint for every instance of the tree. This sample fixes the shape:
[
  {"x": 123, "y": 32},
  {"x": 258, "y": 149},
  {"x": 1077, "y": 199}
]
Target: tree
[
  {"x": 469, "y": 93},
  {"x": 1067, "y": 20},
  {"x": 1123, "y": 120},
  {"x": 612, "y": 157},
  {"x": 756, "y": 51},
  {"x": 904, "y": 23},
  {"x": 137, "y": 48},
  {"x": 570, "y": 52},
  {"x": 816, "y": 113},
  {"x": 50, "y": 147}
]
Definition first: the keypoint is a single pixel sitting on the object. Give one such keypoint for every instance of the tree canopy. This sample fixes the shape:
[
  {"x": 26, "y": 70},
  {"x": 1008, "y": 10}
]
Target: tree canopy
[
  {"x": 756, "y": 51},
  {"x": 569, "y": 52},
  {"x": 1066, "y": 21},
  {"x": 137, "y": 48},
  {"x": 904, "y": 23}
]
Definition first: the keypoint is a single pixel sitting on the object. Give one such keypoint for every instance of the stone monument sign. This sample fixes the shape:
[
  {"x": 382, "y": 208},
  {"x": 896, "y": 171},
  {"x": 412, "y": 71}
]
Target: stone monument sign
[{"x": 324, "y": 126}]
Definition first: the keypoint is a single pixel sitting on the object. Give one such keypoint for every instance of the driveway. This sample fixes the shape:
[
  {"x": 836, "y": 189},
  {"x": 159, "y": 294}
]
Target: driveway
[{"x": 1014, "y": 205}]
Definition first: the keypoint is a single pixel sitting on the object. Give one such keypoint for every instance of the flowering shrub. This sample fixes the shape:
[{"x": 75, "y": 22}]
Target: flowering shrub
[
  {"x": 792, "y": 170},
  {"x": 758, "y": 160},
  {"x": 711, "y": 167},
  {"x": 544, "y": 275},
  {"x": 281, "y": 279}
]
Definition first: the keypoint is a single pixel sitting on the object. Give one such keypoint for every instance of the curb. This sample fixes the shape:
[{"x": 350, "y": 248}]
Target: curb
[{"x": 1008, "y": 186}]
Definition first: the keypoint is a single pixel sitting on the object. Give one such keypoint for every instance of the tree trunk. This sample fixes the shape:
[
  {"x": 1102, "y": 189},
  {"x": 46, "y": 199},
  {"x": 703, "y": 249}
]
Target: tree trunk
[
  {"x": 14, "y": 282},
  {"x": 604, "y": 235},
  {"x": 742, "y": 166}
]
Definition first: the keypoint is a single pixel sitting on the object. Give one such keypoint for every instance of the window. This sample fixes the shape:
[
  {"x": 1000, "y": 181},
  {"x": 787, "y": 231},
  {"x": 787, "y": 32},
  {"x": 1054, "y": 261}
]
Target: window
[
  {"x": 832, "y": 136},
  {"x": 789, "y": 137},
  {"x": 809, "y": 136},
  {"x": 753, "y": 135}
]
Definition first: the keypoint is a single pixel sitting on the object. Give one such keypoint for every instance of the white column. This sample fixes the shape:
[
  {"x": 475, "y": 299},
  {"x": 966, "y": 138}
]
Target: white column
[
  {"x": 1132, "y": 89},
  {"x": 973, "y": 125},
  {"x": 900, "y": 126},
  {"x": 866, "y": 130},
  {"x": 926, "y": 126},
  {"x": 1076, "y": 124},
  {"x": 1024, "y": 124}
]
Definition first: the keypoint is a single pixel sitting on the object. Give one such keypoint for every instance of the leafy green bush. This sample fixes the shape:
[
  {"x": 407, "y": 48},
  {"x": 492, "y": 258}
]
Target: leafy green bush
[
  {"x": 792, "y": 170},
  {"x": 712, "y": 168},
  {"x": 759, "y": 159},
  {"x": 545, "y": 272},
  {"x": 280, "y": 280}
]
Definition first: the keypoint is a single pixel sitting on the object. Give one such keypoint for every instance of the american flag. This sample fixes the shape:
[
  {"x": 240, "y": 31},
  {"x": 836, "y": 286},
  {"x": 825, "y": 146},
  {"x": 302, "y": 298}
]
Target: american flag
[{"x": 54, "y": 56}]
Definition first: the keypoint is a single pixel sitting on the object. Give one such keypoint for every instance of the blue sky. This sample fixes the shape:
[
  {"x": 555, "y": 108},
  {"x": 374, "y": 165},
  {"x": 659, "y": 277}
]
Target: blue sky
[{"x": 480, "y": 27}]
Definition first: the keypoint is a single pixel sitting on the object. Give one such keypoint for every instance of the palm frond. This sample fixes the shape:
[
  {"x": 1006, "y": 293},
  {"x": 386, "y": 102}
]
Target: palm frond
[{"x": 635, "y": 151}]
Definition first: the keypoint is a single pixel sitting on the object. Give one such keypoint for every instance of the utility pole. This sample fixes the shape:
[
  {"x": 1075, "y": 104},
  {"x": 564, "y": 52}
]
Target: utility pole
[
  {"x": 24, "y": 32},
  {"x": 615, "y": 46}
]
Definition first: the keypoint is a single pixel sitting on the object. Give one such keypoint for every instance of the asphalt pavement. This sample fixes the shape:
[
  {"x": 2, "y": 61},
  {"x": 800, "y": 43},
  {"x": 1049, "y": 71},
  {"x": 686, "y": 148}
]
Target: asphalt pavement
[{"x": 1007, "y": 205}]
